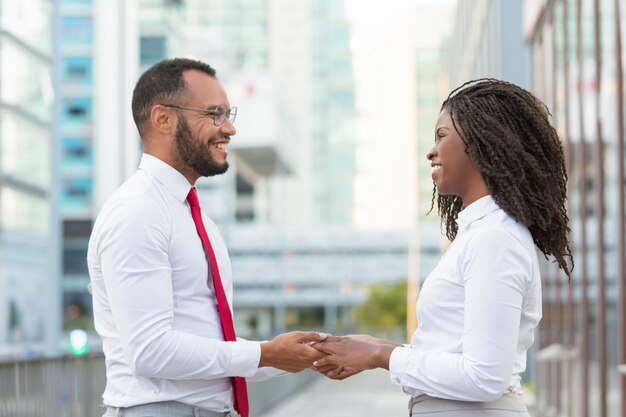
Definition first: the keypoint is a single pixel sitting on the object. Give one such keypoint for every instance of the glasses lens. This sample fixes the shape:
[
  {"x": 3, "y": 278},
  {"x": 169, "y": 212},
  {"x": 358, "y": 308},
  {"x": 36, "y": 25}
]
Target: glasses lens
[
  {"x": 218, "y": 114},
  {"x": 221, "y": 113},
  {"x": 232, "y": 114}
]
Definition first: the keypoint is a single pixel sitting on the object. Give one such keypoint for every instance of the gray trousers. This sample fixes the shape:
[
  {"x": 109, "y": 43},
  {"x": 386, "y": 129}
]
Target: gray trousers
[
  {"x": 163, "y": 409},
  {"x": 509, "y": 405}
]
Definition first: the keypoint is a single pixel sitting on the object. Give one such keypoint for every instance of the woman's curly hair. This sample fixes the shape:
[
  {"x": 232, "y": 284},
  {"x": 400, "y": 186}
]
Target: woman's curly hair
[{"x": 507, "y": 133}]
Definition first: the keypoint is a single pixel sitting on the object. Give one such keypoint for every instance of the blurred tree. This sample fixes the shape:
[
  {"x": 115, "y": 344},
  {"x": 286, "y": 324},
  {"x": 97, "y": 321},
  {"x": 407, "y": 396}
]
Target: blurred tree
[
  {"x": 385, "y": 306},
  {"x": 14, "y": 315}
]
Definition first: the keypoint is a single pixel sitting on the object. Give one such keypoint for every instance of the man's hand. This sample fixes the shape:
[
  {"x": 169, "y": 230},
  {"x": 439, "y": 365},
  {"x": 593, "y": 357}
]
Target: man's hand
[{"x": 291, "y": 352}]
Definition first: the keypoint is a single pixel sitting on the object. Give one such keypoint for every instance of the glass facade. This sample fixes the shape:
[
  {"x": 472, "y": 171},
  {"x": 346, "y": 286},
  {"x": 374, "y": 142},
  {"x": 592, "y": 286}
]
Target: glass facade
[
  {"x": 25, "y": 81},
  {"x": 237, "y": 32},
  {"x": 76, "y": 31},
  {"x": 160, "y": 34},
  {"x": 26, "y": 105},
  {"x": 25, "y": 148},
  {"x": 78, "y": 70},
  {"x": 577, "y": 69},
  {"x": 152, "y": 49},
  {"x": 333, "y": 139},
  {"x": 28, "y": 21},
  {"x": 77, "y": 159}
]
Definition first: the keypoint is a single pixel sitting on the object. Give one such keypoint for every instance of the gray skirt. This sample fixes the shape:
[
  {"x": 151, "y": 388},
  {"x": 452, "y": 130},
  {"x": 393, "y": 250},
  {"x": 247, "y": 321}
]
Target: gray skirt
[{"x": 509, "y": 405}]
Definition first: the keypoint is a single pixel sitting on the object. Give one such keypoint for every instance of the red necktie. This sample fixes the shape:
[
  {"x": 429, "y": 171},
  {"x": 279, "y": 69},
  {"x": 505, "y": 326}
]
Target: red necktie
[{"x": 240, "y": 392}]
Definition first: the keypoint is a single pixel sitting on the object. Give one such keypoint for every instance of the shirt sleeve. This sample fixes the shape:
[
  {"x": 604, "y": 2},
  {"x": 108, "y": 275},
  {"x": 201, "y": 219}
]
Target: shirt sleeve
[
  {"x": 133, "y": 250},
  {"x": 265, "y": 372},
  {"x": 495, "y": 272}
]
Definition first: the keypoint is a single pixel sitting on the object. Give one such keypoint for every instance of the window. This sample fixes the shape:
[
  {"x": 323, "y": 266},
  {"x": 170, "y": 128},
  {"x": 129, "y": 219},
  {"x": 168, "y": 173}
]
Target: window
[
  {"x": 77, "y": 111},
  {"x": 152, "y": 49},
  {"x": 77, "y": 152},
  {"x": 25, "y": 81},
  {"x": 24, "y": 148},
  {"x": 78, "y": 70},
  {"x": 77, "y": 31},
  {"x": 77, "y": 193},
  {"x": 21, "y": 211}
]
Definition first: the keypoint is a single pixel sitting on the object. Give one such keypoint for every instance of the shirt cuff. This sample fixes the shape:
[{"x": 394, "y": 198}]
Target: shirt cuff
[
  {"x": 398, "y": 363},
  {"x": 244, "y": 358},
  {"x": 267, "y": 372}
]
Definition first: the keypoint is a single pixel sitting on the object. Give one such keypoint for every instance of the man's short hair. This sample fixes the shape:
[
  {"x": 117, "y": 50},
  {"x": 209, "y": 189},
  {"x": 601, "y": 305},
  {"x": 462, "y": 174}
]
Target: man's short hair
[{"x": 162, "y": 83}]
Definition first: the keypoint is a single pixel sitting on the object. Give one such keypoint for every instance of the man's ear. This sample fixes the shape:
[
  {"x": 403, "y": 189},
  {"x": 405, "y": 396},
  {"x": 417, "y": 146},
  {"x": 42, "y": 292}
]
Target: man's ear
[{"x": 163, "y": 119}]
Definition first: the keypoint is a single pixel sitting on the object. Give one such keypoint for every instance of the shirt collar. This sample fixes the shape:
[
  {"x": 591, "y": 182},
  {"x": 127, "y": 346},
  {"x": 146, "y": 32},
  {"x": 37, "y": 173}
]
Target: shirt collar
[
  {"x": 172, "y": 179},
  {"x": 476, "y": 211}
]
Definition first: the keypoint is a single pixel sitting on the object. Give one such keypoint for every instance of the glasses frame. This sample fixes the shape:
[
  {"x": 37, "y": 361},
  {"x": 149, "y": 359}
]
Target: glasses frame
[{"x": 230, "y": 114}]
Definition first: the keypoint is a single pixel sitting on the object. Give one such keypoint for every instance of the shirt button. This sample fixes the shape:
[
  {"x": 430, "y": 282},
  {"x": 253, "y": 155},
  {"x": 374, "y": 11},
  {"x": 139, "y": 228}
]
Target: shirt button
[{"x": 398, "y": 381}]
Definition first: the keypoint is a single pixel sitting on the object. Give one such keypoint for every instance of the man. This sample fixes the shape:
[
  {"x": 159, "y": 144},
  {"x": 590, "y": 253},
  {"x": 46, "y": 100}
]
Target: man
[{"x": 160, "y": 270}]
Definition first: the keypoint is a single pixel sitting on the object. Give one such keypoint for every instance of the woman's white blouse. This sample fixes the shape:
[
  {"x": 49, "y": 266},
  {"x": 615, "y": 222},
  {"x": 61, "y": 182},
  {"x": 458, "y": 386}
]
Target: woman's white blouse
[{"x": 477, "y": 312}]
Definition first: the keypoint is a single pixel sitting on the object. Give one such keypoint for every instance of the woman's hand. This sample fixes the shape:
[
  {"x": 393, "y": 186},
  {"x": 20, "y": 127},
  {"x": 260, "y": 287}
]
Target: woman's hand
[
  {"x": 350, "y": 355},
  {"x": 337, "y": 372}
]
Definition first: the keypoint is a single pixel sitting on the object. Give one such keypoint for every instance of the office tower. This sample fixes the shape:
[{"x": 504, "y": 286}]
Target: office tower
[
  {"x": 333, "y": 115},
  {"x": 488, "y": 42},
  {"x": 99, "y": 65},
  {"x": 77, "y": 155},
  {"x": 29, "y": 297}
]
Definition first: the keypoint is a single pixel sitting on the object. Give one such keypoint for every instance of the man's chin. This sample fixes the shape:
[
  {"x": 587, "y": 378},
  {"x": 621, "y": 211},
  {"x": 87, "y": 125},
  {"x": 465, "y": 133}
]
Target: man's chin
[{"x": 214, "y": 170}]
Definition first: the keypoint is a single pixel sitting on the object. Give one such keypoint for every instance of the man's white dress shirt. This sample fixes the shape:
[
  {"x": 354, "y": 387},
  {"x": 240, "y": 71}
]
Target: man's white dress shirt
[
  {"x": 153, "y": 299},
  {"x": 476, "y": 312}
]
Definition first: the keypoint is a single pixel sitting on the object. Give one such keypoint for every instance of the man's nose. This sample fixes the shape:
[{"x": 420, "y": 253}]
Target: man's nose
[{"x": 228, "y": 127}]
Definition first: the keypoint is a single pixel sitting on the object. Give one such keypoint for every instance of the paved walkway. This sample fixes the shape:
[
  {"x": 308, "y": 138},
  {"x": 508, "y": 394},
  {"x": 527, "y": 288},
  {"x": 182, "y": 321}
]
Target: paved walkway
[{"x": 366, "y": 394}]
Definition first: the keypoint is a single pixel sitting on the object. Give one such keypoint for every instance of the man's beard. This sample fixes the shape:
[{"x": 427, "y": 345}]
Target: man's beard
[{"x": 196, "y": 154}]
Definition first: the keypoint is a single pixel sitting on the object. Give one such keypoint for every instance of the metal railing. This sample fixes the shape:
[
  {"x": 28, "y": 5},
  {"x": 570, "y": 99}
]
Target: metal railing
[
  {"x": 554, "y": 362},
  {"x": 558, "y": 362},
  {"x": 64, "y": 386},
  {"x": 72, "y": 386}
]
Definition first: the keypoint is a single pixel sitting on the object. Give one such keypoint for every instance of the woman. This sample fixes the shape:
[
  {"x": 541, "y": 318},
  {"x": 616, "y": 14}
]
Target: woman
[{"x": 500, "y": 176}]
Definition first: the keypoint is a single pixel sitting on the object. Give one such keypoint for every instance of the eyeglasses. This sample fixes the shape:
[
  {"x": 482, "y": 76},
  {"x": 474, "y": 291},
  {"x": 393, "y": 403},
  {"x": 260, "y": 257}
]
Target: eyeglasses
[{"x": 219, "y": 114}]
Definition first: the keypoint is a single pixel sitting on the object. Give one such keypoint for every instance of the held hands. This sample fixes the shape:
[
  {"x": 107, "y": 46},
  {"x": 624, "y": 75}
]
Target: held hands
[
  {"x": 292, "y": 351},
  {"x": 338, "y": 372},
  {"x": 349, "y": 355}
]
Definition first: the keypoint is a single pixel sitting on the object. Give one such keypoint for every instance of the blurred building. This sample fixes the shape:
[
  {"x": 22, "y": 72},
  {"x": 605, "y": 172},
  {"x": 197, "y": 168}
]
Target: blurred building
[
  {"x": 76, "y": 63},
  {"x": 575, "y": 66},
  {"x": 29, "y": 279},
  {"x": 333, "y": 115},
  {"x": 577, "y": 69},
  {"x": 160, "y": 34},
  {"x": 289, "y": 195},
  {"x": 98, "y": 49},
  {"x": 434, "y": 29},
  {"x": 309, "y": 277},
  {"x": 488, "y": 42}
]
